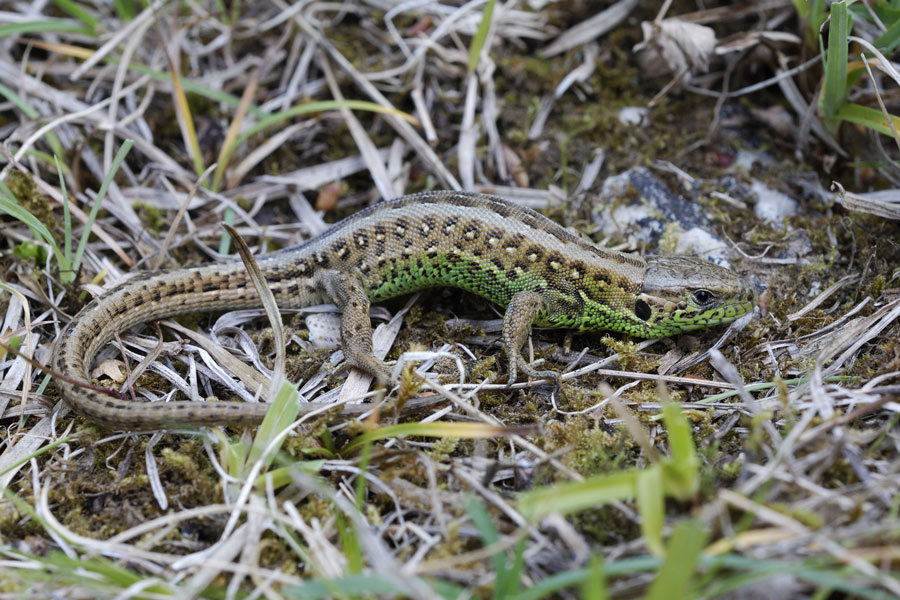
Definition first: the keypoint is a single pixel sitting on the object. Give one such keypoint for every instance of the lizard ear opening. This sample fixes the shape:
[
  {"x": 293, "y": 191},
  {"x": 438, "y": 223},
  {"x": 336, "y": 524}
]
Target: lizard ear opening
[{"x": 642, "y": 310}]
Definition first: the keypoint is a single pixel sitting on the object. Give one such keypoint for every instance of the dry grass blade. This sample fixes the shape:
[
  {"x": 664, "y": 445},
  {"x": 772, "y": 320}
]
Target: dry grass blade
[
  {"x": 822, "y": 297},
  {"x": 799, "y": 529},
  {"x": 185, "y": 120},
  {"x": 402, "y": 127},
  {"x": 448, "y": 430},
  {"x": 367, "y": 148},
  {"x": 250, "y": 377},
  {"x": 590, "y": 29},
  {"x": 15, "y": 376},
  {"x": 170, "y": 234},
  {"x": 266, "y": 298},
  {"x": 885, "y": 203}
]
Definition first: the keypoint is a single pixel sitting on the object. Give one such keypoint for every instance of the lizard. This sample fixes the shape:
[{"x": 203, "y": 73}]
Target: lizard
[{"x": 516, "y": 258}]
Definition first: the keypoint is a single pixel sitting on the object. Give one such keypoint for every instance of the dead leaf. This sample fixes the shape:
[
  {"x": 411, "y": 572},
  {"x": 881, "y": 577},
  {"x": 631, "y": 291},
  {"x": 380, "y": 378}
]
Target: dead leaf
[{"x": 673, "y": 47}]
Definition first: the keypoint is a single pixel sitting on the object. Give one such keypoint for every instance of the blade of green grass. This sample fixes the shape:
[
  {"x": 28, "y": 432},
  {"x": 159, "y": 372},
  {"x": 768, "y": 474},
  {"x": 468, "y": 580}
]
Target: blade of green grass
[
  {"x": 440, "y": 430},
  {"x": 747, "y": 573},
  {"x": 116, "y": 574},
  {"x": 677, "y": 477},
  {"x": 578, "y": 495},
  {"x": 480, "y": 36},
  {"x": 284, "y": 410},
  {"x": 282, "y": 476},
  {"x": 480, "y": 518},
  {"x": 867, "y": 117},
  {"x": 350, "y": 543},
  {"x": 195, "y": 87},
  {"x": 560, "y": 581},
  {"x": 507, "y": 578},
  {"x": 43, "y": 449},
  {"x": 593, "y": 587},
  {"x": 677, "y": 571},
  {"x": 813, "y": 14},
  {"x": 651, "y": 507},
  {"x": 74, "y": 9},
  {"x": 447, "y": 590},
  {"x": 126, "y": 9},
  {"x": 834, "y": 91},
  {"x": 511, "y": 583},
  {"x": 65, "y": 276},
  {"x": 365, "y": 455},
  {"x": 755, "y": 387},
  {"x": 680, "y": 474},
  {"x": 886, "y": 10},
  {"x": 890, "y": 39},
  {"x": 236, "y": 124},
  {"x": 45, "y": 157},
  {"x": 114, "y": 167},
  {"x": 44, "y": 26},
  {"x": 225, "y": 240},
  {"x": 233, "y": 453},
  {"x": 285, "y": 405}
]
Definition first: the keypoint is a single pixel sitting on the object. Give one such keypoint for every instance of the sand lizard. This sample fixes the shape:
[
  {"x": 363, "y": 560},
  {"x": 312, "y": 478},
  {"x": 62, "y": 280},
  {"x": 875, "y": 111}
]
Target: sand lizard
[{"x": 512, "y": 256}]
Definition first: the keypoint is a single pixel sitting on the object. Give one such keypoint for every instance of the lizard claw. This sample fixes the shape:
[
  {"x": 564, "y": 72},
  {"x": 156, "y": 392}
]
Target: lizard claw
[
  {"x": 555, "y": 377},
  {"x": 513, "y": 375}
]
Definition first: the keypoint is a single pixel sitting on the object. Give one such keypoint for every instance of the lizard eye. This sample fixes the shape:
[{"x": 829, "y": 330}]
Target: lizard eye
[{"x": 703, "y": 297}]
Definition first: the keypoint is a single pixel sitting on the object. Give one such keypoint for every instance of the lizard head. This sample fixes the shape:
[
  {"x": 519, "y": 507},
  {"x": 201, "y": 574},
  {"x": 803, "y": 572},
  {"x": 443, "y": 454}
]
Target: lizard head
[{"x": 681, "y": 294}]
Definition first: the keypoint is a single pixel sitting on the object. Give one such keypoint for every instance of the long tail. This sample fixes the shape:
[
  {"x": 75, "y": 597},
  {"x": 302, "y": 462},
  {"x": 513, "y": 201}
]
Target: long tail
[{"x": 145, "y": 298}]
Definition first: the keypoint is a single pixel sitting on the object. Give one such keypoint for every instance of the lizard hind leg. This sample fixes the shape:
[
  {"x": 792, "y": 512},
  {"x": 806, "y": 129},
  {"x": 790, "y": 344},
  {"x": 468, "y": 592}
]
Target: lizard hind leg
[
  {"x": 346, "y": 290},
  {"x": 520, "y": 314}
]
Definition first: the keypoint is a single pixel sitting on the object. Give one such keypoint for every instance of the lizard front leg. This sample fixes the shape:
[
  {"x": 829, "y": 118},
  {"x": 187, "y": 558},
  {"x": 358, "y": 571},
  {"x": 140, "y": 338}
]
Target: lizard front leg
[{"x": 520, "y": 314}]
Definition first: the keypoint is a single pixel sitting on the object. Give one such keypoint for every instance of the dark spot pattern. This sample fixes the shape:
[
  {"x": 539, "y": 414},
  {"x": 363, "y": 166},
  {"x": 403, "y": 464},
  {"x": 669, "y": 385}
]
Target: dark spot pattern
[{"x": 340, "y": 250}]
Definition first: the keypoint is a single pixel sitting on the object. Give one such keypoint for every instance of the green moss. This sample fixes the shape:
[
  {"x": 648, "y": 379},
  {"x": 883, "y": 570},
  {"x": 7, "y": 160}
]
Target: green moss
[
  {"x": 152, "y": 216},
  {"x": 668, "y": 244},
  {"x": 25, "y": 190},
  {"x": 9, "y": 523},
  {"x": 589, "y": 448},
  {"x": 629, "y": 357},
  {"x": 877, "y": 286},
  {"x": 274, "y": 554},
  {"x": 606, "y": 526},
  {"x": 442, "y": 449}
]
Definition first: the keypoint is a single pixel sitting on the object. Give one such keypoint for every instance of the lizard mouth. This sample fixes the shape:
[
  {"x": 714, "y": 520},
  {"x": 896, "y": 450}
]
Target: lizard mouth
[{"x": 670, "y": 315}]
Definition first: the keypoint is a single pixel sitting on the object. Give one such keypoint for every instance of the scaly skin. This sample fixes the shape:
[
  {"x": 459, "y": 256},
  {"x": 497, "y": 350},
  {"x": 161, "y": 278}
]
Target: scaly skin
[{"x": 508, "y": 254}]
